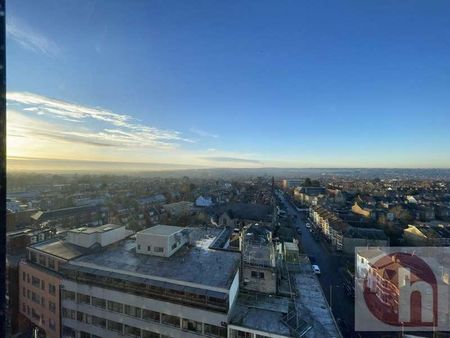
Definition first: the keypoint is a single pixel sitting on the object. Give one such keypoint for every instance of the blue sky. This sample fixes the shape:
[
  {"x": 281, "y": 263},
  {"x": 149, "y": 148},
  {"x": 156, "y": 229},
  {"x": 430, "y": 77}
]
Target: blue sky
[{"x": 231, "y": 83}]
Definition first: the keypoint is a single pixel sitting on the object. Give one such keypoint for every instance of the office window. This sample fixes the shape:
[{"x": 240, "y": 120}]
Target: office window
[
  {"x": 149, "y": 248},
  {"x": 254, "y": 274},
  {"x": 52, "y": 307},
  {"x": 261, "y": 275},
  {"x": 52, "y": 289},
  {"x": 33, "y": 257},
  {"x": 23, "y": 276},
  {"x": 35, "y": 315},
  {"x": 133, "y": 311},
  {"x": 132, "y": 331},
  {"x": 68, "y": 313},
  {"x": 51, "y": 263},
  {"x": 35, "y": 298},
  {"x": 83, "y": 299},
  {"x": 170, "y": 320},
  {"x": 149, "y": 334},
  {"x": 42, "y": 260},
  {"x": 68, "y": 332},
  {"x": 158, "y": 249},
  {"x": 80, "y": 316},
  {"x": 191, "y": 325},
  {"x": 151, "y": 315},
  {"x": 99, "y": 322},
  {"x": 114, "y": 306},
  {"x": 36, "y": 282},
  {"x": 67, "y": 295},
  {"x": 115, "y": 326},
  {"x": 28, "y": 278},
  {"x": 240, "y": 334},
  {"x": 84, "y": 334},
  {"x": 99, "y": 302},
  {"x": 139, "y": 247}
]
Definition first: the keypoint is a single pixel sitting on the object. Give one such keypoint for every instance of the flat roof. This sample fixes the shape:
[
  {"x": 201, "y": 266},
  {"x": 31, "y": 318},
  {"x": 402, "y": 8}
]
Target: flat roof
[
  {"x": 99, "y": 229},
  {"x": 60, "y": 248},
  {"x": 161, "y": 229},
  {"x": 194, "y": 263}
]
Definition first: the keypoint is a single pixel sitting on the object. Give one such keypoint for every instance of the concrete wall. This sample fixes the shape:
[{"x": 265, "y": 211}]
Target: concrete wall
[{"x": 268, "y": 284}]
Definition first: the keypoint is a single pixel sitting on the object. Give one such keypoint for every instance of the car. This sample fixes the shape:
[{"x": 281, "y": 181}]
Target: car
[
  {"x": 308, "y": 226},
  {"x": 316, "y": 269}
]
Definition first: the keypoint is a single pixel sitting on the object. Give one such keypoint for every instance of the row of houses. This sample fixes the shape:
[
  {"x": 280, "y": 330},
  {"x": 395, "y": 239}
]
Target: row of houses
[{"x": 341, "y": 235}]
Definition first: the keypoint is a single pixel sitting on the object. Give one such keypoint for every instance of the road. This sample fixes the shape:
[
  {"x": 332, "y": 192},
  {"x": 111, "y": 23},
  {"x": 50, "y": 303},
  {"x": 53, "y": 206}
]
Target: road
[{"x": 331, "y": 278}]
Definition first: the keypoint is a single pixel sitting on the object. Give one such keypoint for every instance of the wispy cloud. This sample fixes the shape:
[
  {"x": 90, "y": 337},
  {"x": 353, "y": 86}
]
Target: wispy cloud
[
  {"x": 29, "y": 38},
  {"x": 230, "y": 159},
  {"x": 203, "y": 133},
  {"x": 117, "y": 129}
]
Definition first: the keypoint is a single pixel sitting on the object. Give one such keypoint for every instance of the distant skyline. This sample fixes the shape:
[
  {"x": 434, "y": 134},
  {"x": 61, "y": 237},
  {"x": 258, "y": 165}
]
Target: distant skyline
[{"x": 235, "y": 84}]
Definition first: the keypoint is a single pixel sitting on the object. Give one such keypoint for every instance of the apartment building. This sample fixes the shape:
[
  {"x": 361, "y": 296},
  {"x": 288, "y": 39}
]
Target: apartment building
[
  {"x": 40, "y": 273},
  {"x": 167, "y": 282}
]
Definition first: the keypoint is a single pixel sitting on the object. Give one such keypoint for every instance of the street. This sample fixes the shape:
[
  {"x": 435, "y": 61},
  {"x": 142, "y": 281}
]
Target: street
[{"x": 331, "y": 277}]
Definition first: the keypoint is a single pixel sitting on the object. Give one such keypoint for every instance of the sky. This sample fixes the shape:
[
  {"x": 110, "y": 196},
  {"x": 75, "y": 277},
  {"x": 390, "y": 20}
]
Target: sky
[{"x": 229, "y": 83}]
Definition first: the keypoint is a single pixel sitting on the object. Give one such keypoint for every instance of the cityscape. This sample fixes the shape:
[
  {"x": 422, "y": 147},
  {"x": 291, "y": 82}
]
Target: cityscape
[{"x": 231, "y": 169}]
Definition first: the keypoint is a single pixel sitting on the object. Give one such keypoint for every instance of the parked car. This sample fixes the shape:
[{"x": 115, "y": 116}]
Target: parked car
[{"x": 316, "y": 269}]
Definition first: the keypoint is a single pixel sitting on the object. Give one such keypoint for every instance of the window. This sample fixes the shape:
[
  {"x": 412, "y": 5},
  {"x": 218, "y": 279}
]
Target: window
[
  {"x": 149, "y": 248},
  {"x": 36, "y": 282},
  {"x": 80, "y": 316},
  {"x": 42, "y": 260},
  {"x": 67, "y": 295},
  {"x": 33, "y": 257},
  {"x": 170, "y": 320},
  {"x": 174, "y": 245},
  {"x": 51, "y": 263},
  {"x": 84, "y": 334},
  {"x": 151, "y": 315},
  {"x": 261, "y": 275},
  {"x": 132, "y": 331},
  {"x": 28, "y": 278},
  {"x": 35, "y": 298},
  {"x": 133, "y": 311},
  {"x": 240, "y": 334},
  {"x": 115, "y": 326},
  {"x": 35, "y": 315},
  {"x": 42, "y": 301},
  {"x": 24, "y": 308},
  {"x": 100, "y": 322},
  {"x": 68, "y": 332},
  {"x": 52, "y": 307},
  {"x": 42, "y": 285},
  {"x": 139, "y": 247},
  {"x": 51, "y": 324},
  {"x": 52, "y": 289},
  {"x": 114, "y": 306},
  {"x": 99, "y": 302},
  {"x": 24, "y": 292},
  {"x": 191, "y": 325},
  {"x": 148, "y": 334},
  {"x": 158, "y": 249},
  {"x": 28, "y": 294},
  {"x": 83, "y": 299},
  {"x": 23, "y": 276},
  {"x": 67, "y": 313},
  {"x": 254, "y": 274}
]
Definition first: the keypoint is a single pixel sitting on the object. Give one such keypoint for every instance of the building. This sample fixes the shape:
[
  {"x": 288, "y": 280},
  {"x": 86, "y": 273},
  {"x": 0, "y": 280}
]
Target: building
[
  {"x": 291, "y": 183},
  {"x": 359, "y": 237},
  {"x": 203, "y": 202},
  {"x": 428, "y": 234},
  {"x": 40, "y": 273},
  {"x": 238, "y": 215},
  {"x": 309, "y": 195},
  {"x": 72, "y": 217},
  {"x": 124, "y": 290},
  {"x": 178, "y": 209},
  {"x": 258, "y": 259}
]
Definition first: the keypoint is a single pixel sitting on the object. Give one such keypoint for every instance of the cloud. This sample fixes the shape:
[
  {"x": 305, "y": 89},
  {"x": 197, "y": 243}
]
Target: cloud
[
  {"x": 229, "y": 159},
  {"x": 203, "y": 133},
  {"x": 29, "y": 38},
  {"x": 111, "y": 129}
]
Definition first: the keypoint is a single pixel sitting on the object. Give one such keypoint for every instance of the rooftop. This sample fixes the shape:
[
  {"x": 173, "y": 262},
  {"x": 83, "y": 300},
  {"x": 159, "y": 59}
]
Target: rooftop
[
  {"x": 195, "y": 263},
  {"x": 98, "y": 229},
  {"x": 162, "y": 230},
  {"x": 60, "y": 248}
]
